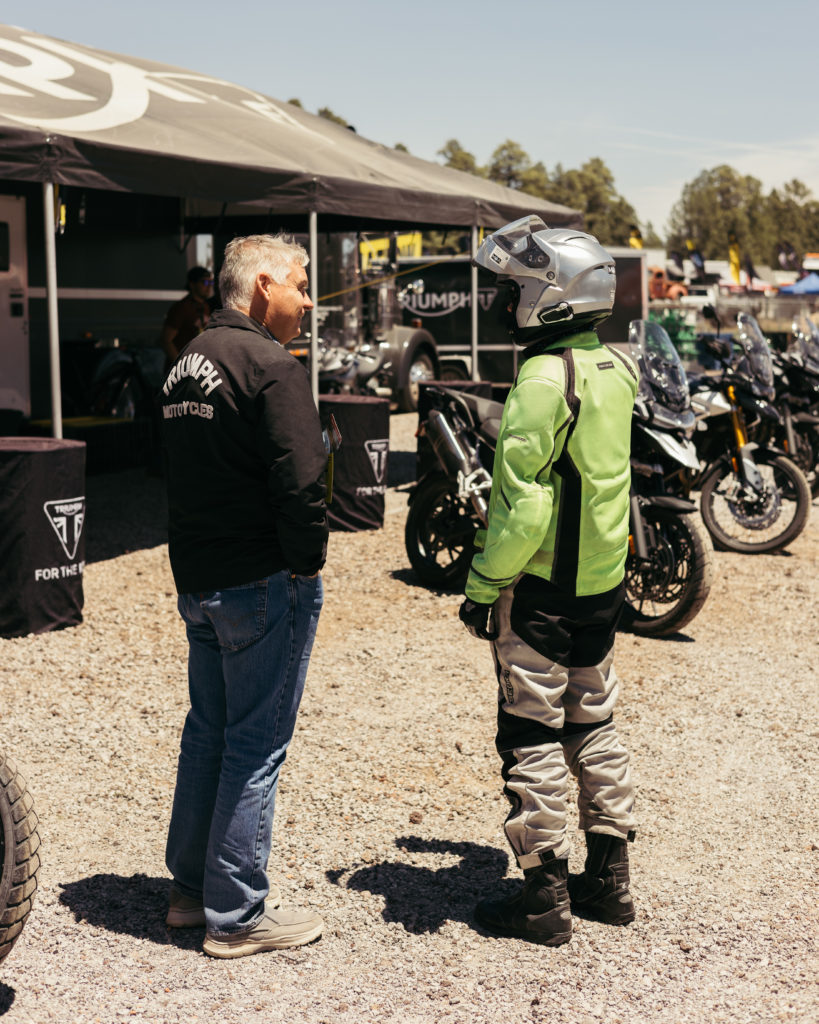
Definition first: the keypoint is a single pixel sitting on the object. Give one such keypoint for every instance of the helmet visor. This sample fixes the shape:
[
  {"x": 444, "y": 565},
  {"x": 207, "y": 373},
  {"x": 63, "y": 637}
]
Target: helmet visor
[
  {"x": 514, "y": 237},
  {"x": 516, "y": 244}
]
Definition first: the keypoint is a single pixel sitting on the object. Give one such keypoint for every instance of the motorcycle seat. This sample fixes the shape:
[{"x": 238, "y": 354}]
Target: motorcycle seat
[
  {"x": 489, "y": 430},
  {"x": 486, "y": 413}
]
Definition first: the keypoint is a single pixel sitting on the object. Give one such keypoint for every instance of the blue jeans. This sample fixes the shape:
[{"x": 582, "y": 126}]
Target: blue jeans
[{"x": 249, "y": 647}]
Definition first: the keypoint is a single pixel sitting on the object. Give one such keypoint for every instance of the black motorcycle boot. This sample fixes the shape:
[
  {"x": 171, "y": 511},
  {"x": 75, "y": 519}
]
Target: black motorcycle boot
[
  {"x": 539, "y": 912},
  {"x": 601, "y": 891}
]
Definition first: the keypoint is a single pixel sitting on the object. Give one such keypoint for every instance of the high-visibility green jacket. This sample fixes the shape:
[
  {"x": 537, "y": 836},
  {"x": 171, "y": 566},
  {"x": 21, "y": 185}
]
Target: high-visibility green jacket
[{"x": 559, "y": 503}]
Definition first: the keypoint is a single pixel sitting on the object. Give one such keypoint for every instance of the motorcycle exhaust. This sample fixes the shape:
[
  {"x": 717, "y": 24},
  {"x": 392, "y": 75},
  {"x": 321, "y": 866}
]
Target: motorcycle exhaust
[
  {"x": 472, "y": 478},
  {"x": 446, "y": 445}
]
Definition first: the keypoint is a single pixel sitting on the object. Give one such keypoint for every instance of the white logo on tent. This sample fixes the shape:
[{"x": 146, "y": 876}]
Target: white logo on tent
[
  {"x": 378, "y": 452},
  {"x": 67, "y": 518},
  {"x": 47, "y": 63}
]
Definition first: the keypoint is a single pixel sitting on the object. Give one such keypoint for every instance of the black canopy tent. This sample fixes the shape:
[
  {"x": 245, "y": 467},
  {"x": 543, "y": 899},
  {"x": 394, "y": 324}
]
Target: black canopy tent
[{"x": 73, "y": 115}]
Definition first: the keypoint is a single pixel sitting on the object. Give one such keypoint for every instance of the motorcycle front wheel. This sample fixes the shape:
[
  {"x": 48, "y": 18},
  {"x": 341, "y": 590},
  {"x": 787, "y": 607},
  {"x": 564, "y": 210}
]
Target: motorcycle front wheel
[
  {"x": 741, "y": 519},
  {"x": 19, "y": 859},
  {"x": 665, "y": 592},
  {"x": 806, "y": 456},
  {"x": 439, "y": 535}
]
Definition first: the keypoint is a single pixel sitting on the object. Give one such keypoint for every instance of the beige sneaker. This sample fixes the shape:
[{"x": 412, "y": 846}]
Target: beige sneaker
[
  {"x": 184, "y": 912},
  {"x": 278, "y": 929}
]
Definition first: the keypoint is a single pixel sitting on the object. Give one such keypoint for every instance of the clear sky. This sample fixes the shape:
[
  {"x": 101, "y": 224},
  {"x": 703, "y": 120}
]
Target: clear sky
[{"x": 659, "y": 91}]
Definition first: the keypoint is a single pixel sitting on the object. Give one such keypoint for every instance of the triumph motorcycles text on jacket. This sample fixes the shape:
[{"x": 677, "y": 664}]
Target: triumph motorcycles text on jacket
[{"x": 245, "y": 459}]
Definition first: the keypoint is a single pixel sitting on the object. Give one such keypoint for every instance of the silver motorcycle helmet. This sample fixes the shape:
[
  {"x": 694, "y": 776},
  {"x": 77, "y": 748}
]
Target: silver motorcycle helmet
[{"x": 560, "y": 279}]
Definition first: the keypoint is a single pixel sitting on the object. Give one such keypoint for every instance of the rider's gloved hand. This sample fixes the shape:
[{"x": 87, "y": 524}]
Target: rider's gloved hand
[{"x": 476, "y": 619}]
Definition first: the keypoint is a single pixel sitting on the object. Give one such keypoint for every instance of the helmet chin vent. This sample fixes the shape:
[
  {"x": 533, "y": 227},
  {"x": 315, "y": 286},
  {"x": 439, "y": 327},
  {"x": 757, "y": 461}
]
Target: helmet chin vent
[
  {"x": 557, "y": 314},
  {"x": 534, "y": 256}
]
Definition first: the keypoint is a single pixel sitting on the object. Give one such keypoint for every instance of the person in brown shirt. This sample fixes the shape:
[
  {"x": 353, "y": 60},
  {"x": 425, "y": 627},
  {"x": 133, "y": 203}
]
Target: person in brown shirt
[{"x": 187, "y": 317}]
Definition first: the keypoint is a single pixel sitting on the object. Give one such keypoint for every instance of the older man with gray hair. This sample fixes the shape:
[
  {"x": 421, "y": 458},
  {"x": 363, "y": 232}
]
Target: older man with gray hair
[{"x": 245, "y": 464}]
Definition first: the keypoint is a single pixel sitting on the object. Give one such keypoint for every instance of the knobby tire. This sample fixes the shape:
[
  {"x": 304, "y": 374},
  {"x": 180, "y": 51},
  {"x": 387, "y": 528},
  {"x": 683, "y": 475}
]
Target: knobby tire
[
  {"x": 792, "y": 485},
  {"x": 439, "y": 535},
  {"x": 667, "y": 594},
  {"x": 19, "y": 856}
]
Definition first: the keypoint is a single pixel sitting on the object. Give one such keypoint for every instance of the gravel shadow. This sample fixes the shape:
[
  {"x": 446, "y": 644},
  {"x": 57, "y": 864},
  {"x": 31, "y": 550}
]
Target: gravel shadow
[
  {"x": 134, "y": 905},
  {"x": 410, "y": 578},
  {"x": 422, "y": 899},
  {"x": 7, "y": 996}
]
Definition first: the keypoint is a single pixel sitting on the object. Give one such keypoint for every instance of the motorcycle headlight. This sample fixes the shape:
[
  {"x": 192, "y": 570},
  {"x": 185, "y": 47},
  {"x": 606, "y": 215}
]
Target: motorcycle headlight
[{"x": 669, "y": 419}]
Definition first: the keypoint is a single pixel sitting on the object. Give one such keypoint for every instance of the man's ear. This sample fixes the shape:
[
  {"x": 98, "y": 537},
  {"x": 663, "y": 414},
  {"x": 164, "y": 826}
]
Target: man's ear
[{"x": 259, "y": 301}]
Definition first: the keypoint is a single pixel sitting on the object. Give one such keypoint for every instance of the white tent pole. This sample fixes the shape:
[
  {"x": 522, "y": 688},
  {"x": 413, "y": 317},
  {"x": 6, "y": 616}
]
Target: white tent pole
[
  {"x": 314, "y": 310},
  {"x": 51, "y": 299},
  {"x": 474, "y": 285}
]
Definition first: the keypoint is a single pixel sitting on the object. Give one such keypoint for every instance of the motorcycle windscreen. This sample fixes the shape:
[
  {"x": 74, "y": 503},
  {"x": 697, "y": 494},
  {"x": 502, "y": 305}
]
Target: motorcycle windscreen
[
  {"x": 804, "y": 341},
  {"x": 756, "y": 360},
  {"x": 661, "y": 369}
]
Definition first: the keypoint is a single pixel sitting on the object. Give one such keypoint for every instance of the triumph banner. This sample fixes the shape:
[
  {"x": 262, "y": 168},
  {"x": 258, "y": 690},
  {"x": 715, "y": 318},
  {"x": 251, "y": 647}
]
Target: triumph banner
[
  {"x": 360, "y": 463},
  {"x": 444, "y": 307},
  {"x": 42, "y": 534}
]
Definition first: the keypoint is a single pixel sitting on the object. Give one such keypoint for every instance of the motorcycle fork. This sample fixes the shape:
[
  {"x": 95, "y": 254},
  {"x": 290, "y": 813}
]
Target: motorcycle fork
[
  {"x": 639, "y": 540},
  {"x": 740, "y": 432},
  {"x": 743, "y": 462},
  {"x": 790, "y": 435}
]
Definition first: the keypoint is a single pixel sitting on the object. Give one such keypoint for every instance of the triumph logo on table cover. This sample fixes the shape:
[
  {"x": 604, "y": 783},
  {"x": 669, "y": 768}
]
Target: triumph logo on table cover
[
  {"x": 67, "y": 518},
  {"x": 378, "y": 452}
]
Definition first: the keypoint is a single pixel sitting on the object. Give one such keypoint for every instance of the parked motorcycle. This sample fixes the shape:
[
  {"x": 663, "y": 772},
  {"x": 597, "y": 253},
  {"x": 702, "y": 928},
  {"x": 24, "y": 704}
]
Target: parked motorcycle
[
  {"x": 752, "y": 497},
  {"x": 796, "y": 379},
  {"x": 358, "y": 371},
  {"x": 450, "y": 499},
  {"x": 669, "y": 567},
  {"x": 376, "y": 354},
  {"x": 19, "y": 857},
  {"x": 103, "y": 380}
]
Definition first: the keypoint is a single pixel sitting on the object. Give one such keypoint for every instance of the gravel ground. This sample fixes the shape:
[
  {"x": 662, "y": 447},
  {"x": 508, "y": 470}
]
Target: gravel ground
[{"x": 389, "y": 817}]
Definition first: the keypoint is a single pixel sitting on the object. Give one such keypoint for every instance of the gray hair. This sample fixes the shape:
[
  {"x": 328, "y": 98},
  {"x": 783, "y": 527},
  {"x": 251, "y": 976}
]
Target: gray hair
[{"x": 246, "y": 258}]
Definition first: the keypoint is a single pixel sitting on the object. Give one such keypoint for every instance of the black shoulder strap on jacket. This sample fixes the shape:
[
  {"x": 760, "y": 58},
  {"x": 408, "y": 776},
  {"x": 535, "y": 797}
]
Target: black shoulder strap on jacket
[
  {"x": 567, "y": 538},
  {"x": 622, "y": 359}
]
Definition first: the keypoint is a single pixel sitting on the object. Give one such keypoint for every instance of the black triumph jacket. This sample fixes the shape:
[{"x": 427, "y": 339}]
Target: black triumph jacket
[{"x": 245, "y": 459}]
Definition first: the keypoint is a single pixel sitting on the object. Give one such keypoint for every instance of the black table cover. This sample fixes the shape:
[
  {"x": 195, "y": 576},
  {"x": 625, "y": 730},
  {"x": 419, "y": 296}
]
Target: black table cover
[
  {"x": 42, "y": 535},
  {"x": 360, "y": 472}
]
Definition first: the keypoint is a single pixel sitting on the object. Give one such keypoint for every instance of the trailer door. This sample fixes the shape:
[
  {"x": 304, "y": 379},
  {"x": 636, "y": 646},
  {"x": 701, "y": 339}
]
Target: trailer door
[{"x": 15, "y": 392}]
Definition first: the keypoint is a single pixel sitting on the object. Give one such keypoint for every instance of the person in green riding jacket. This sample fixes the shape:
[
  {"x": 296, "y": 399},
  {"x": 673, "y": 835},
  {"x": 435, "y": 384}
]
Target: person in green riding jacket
[{"x": 546, "y": 582}]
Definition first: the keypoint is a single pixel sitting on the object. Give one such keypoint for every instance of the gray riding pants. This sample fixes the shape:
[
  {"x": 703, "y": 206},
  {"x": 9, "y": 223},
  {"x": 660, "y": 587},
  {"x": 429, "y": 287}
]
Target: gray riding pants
[{"x": 556, "y": 696}]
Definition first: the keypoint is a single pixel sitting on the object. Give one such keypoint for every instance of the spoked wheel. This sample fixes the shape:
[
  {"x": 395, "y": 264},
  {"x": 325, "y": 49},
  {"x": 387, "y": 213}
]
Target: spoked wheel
[
  {"x": 439, "y": 535},
  {"x": 742, "y": 519},
  {"x": 19, "y": 859},
  {"x": 667, "y": 591}
]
